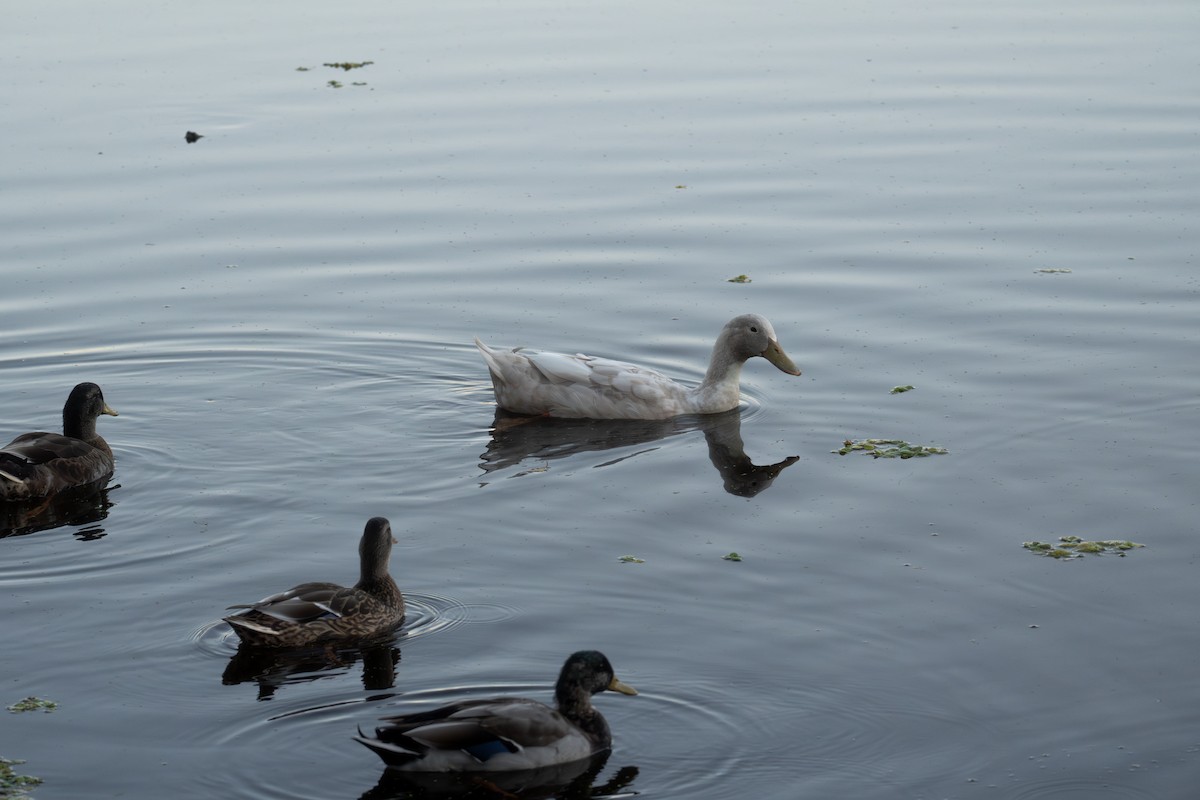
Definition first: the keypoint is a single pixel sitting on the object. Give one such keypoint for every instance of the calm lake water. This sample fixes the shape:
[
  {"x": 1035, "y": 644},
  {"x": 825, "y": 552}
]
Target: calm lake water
[{"x": 993, "y": 203}]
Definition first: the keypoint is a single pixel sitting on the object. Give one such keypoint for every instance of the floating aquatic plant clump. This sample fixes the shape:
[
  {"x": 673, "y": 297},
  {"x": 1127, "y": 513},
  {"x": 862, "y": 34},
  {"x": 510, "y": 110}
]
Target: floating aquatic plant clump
[
  {"x": 347, "y": 65},
  {"x": 902, "y": 389},
  {"x": 631, "y": 560},
  {"x": 732, "y": 557},
  {"x": 1076, "y": 547},
  {"x": 890, "y": 448},
  {"x": 12, "y": 784},
  {"x": 33, "y": 704}
]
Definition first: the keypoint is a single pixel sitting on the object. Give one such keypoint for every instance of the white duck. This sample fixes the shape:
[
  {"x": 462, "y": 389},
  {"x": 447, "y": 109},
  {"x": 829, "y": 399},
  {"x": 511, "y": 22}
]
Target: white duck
[
  {"x": 501, "y": 734},
  {"x": 560, "y": 385}
]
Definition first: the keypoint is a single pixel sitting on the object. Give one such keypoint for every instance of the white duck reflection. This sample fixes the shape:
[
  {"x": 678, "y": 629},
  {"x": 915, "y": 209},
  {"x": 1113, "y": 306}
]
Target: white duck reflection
[{"x": 517, "y": 438}]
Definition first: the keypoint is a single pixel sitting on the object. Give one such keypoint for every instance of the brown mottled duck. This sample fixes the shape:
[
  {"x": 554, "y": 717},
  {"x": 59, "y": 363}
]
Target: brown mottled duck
[{"x": 325, "y": 612}]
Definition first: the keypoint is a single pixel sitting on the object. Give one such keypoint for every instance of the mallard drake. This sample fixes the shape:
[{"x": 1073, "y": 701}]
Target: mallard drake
[
  {"x": 38, "y": 464},
  {"x": 505, "y": 733},
  {"x": 559, "y": 385},
  {"x": 320, "y": 612}
]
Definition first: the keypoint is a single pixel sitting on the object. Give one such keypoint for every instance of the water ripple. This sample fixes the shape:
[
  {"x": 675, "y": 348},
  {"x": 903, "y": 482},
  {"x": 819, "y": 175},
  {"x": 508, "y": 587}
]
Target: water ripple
[{"x": 1075, "y": 788}]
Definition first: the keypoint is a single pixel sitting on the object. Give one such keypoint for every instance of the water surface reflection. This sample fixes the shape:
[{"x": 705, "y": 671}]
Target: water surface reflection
[
  {"x": 82, "y": 506},
  {"x": 517, "y": 438},
  {"x": 574, "y": 781},
  {"x": 272, "y": 668}
]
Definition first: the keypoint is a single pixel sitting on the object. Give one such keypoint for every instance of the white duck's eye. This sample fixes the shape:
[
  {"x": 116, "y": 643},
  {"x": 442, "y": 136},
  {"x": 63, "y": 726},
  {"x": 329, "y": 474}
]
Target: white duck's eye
[{"x": 753, "y": 329}]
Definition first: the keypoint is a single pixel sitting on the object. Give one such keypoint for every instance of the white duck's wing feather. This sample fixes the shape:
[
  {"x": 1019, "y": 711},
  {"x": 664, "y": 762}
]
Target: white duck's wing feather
[
  {"x": 562, "y": 385},
  {"x": 560, "y": 367}
]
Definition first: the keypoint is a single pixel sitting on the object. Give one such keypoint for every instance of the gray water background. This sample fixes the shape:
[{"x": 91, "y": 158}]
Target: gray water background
[{"x": 282, "y": 313}]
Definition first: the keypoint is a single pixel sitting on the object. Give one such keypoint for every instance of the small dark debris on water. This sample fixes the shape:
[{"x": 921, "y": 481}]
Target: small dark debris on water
[
  {"x": 902, "y": 389},
  {"x": 1053, "y": 271},
  {"x": 347, "y": 65},
  {"x": 191, "y": 137},
  {"x": 335, "y": 84},
  {"x": 739, "y": 279}
]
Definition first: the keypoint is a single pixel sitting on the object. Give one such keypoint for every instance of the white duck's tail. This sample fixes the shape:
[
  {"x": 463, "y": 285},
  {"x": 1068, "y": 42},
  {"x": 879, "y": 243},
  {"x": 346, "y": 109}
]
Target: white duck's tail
[{"x": 493, "y": 364}]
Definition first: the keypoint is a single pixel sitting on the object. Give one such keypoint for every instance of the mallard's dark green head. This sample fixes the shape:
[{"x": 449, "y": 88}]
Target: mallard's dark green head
[
  {"x": 590, "y": 671},
  {"x": 83, "y": 406}
]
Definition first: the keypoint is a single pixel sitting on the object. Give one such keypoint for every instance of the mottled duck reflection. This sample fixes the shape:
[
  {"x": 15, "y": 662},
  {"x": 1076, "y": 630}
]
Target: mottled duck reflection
[
  {"x": 79, "y": 506},
  {"x": 575, "y": 781},
  {"x": 273, "y": 667},
  {"x": 517, "y": 438}
]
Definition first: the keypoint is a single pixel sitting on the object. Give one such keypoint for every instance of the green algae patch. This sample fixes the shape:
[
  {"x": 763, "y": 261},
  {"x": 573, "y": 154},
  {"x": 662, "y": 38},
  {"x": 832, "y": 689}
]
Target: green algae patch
[
  {"x": 889, "y": 448},
  {"x": 732, "y": 557},
  {"x": 33, "y": 704},
  {"x": 348, "y": 65},
  {"x": 901, "y": 389},
  {"x": 12, "y": 784},
  {"x": 631, "y": 560},
  {"x": 1076, "y": 547},
  {"x": 739, "y": 279}
]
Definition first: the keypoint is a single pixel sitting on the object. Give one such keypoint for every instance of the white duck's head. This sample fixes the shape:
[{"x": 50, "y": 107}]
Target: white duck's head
[{"x": 751, "y": 335}]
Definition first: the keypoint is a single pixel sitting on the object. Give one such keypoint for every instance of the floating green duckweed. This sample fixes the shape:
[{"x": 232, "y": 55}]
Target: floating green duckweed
[
  {"x": 889, "y": 448},
  {"x": 732, "y": 557},
  {"x": 348, "y": 65},
  {"x": 334, "y": 84},
  {"x": 1075, "y": 547},
  {"x": 12, "y": 784},
  {"x": 739, "y": 279},
  {"x": 33, "y": 704},
  {"x": 902, "y": 389},
  {"x": 631, "y": 560}
]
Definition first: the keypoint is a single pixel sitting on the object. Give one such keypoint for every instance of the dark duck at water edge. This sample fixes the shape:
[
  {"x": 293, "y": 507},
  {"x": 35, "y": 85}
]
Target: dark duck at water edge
[
  {"x": 324, "y": 612},
  {"x": 40, "y": 464},
  {"x": 503, "y": 734}
]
